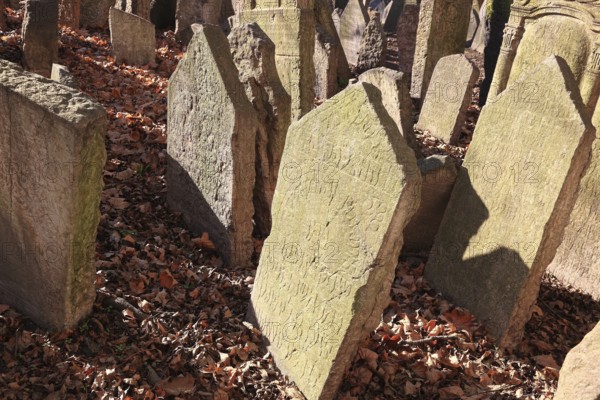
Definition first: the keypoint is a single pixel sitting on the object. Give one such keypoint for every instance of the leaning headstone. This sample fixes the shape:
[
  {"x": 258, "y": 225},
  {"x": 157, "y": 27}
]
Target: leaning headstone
[
  {"x": 326, "y": 65},
  {"x": 348, "y": 187},
  {"x": 40, "y": 36},
  {"x": 254, "y": 55},
  {"x": 512, "y": 201},
  {"x": 133, "y": 38},
  {"x": 579, "y": 373},
  {"x": 577, "y": 261},
  {"x": 162, "y": 13},
  {"x": 439, "y": 175},
  {"x": 396, "y": 100},
  {"x": 448, "y": 97},
  {"x": 68, "y": 13},
  {"x": 373, "y": 45},
  {"x": 353, "y": 22},
  {"x": 94, "y": 13},
  {"x": 406, "y": 35},
  {"x": 482, "y": 34},
  {"x": 212, "y": 128},
  {"x": 391, "y": 14},
  {"x": 443, "y": 26},
  {"x": 190, "y": 12},
  {"x": 141, "y": 8},
  {"x": 473, "y": 27},
  {"x": 53, "y": 155},
  {"x": 61, "y": 74}
]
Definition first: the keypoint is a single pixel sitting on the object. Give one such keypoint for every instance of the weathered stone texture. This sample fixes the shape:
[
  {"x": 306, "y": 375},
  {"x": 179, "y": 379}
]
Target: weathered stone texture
[
  {"x": 68, "y": 13},
  {"x": 473, "y": 27},
  {"x": 326, "y": 269},
  {"x": 61, "y": 74},
  {"x": 406, "y": 35},
  {"x": 141, "y": 8},
  {"x": 40, "y": 36},
  {"x": 373, "y": 46},
  {"x": 133, "y": 38},
  {"x": 448, "y": 97},
  {"x": 439, "y": 175},
  {"x": 353, "y": 22},
  {"x": 94, "y": 13},
  {"x": 579, "y": 373},
  {"x": 326, "y": 65},
  {"x": 254, "y": 55},
  {"x": 396, "y": 100},
  {"x": 577, "y": 260},
  {"x": 189, "y": 12},
  {"x": 512, "y": 201},
  {"x": 52, "y": 156},
  {"x": 443, "y": 26},
  {"x": 212, "y": 128}
]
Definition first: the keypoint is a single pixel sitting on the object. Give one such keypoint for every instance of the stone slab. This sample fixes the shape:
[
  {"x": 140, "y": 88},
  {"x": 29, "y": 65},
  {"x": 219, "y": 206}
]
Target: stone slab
[
  {"x": 325, "y": 272},
  {"x": 40, "y": 36},
  {"x": 61, "y": 74},
  {"x": 68, "y": 13},
  {"x": 133, "y": 38},
  {"x": 353, "y": 22},
  {"x": 212, "y": 134},
  {"x": 190, "y": 12},
  {"x": 406, "y": 35},
  {"x": 52, "y": 158},
  {"x": 512, "y": 200},
  {"x": 141, "y": 8},
  {"x": 373, "y": 46},
  {"x": 94, "y": 13}
]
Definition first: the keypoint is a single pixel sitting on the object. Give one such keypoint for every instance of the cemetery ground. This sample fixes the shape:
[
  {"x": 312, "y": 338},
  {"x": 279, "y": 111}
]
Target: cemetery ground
[{"x": 168, "y": 321}]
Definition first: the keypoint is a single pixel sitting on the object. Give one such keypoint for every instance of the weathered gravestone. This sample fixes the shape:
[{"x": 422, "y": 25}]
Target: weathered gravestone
[
  {"x": 579, "y": 373},
  {"x": 52, "y": 152},
  {"x": 212, "y": 134},
  {"x": 190, "y": 12},
  {"x": 443, "y": 26},
  {"x": 512, "y": 201},
  {"x": 254, "y": 55},
  {"x": 448, "y": 97},
  {"x": 348, "y": 187},
  {"x": 473, "y": 27},
  {"x": 396, "y": 100},
  {"x": 391, "y": 14},
  {"x": 133, "y": 38},
  {"x": 40, "y": 36},
  {"x": 373, "y": 46},
  {"x": 482, "y": 34},
  {"x": 406, "y": 35},
  {"x": 577, "y": 260},
  {"x": 94, "y": 13},
  {"x": 292, "y": 28},
  {"x": 61, "y": 74},
  {"x": 353, "y": 22},
  {"x": 68, "y": 13},
  {"x": 537, "y": 29},
  {"x": 141, "y": 8}
]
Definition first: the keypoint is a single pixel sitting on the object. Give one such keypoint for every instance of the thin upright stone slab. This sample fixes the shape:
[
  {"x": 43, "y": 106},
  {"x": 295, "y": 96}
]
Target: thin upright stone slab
[
  {"x": 512, "y": 201},
  {"x": 68, "y": 13},
  {"x": 406, "y": 35},
  {"x": 133, "y": 38},
  {"x": 212, "y": 128},
  {"x": 52, "y": 157},
  {"x": 443, "y": 26},
  {"x": 448, "y": 98},
  {"x": 353, "y": 22},
  {"x": 577, "y": 261},
  {"x": 190, "y": 12},
  {"x": 348, "y": 187},
  {"x": 141, "y": 8},
  {"x": 254, "y": 55},
  {"x": 40, "y": 36}
]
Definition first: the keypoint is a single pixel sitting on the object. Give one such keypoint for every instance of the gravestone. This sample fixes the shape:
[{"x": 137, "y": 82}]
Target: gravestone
[
  {"x": 133, "y": 38},
  {"x": 348, "y": 187},
  {"x": 190, "y": 12},
  {"x": 473, "y": 27},
  {"x": 40, "y": 36},
  {"x": 326, "y": 65},
  {"x": 53, "y": 155},
  {"x": 448, "y": 98},
  {"x": 443, "y": 26},
  {"x": 439, "y": 175},
  {"x": 68, "y": 13},
  {"x": 94, "y": 13},
  {"x": 512, "y": 201},
  {"x": 61, "y": 74},
  {"x": 373, "y": 45},
  {"x": 353, "y": 22},
  {"x": 141, "y": 8},
  {"x": 396, "y": 100},
  {"x": 162, "y": 13},
  {"x": 579, "y": 373},
  {"x": 391, "y": 14},
  {"x": 254, "y": 55},
  {"x": 482, "y": 35},
  {"x": 406, "y": 35},
  {"x": 577, "y": 261},
  {"x": 212, "y": 128}
]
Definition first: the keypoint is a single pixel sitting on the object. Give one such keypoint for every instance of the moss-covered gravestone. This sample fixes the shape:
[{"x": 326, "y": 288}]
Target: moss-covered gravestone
[
  {"x": 348, "y": 186},
  {"x": 512, "y": 200}
]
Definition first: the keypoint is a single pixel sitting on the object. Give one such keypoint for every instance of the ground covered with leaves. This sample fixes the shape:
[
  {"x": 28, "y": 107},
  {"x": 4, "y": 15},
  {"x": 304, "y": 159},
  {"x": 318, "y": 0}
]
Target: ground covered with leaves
[{"x": 168, "y": 321}]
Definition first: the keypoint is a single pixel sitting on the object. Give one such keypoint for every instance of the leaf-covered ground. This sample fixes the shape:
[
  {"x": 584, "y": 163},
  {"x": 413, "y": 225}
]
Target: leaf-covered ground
[{"x": 169, "y": 318}]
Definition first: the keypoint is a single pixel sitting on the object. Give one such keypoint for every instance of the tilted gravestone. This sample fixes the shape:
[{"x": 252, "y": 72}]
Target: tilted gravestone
[
  {"x": 577, "y": 260},
  {"x": 254, "y": 55},
  {"x": 353, "y": 22},
  {"x": 94, "y": 13},
  {"x": 396, "y": 100},
  {"x": 212, "y": 134},
  {"x": 61, "y": 74},
  {"x": 133, "y": 38},
  {"x": 53, "y": 155},
  {"x": 40, "y": 36},
  {"x": 348, "y": 186},
  {"x": 443, "y": 26},
  {"x": 141, "y": 8},
  {"x": 190, "y": 12},
  {"x": 448, "y": 98},
  {"x": 512, "y": 201},
  {"x": 68, "y": 13},
  {"x": 406, "y": 35},
  {"x": 373, "y": 46}
]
